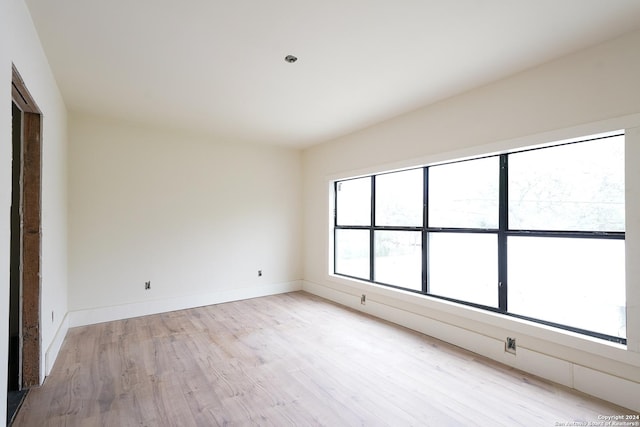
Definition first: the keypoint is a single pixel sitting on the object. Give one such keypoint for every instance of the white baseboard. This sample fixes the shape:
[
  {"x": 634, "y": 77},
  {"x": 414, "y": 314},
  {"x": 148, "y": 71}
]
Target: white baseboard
[
  {"x": 589, "y": 380},
  {"x": 126, "y": 311},
  {"x": 51, "y": 354},
  {"x": 608, "y": 387}
]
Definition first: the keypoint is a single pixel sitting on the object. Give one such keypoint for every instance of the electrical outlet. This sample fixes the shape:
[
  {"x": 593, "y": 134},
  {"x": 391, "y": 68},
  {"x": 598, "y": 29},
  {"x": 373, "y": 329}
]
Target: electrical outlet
[
  {"x": 510, "y": 345},
  {"x": 363, "y": 299},
  {"x": 259, "y": 273},
  {"x": 147, "y": 285}
]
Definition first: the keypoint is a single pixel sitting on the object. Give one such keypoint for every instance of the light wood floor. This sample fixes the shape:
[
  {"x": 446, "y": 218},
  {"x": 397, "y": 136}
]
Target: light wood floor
[{"x": 290, "y": 359}]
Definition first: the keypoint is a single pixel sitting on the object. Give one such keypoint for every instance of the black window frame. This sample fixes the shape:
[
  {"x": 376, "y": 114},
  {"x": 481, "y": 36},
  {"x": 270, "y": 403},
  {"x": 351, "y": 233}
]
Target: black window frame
[{"x": 503, "y": 232}]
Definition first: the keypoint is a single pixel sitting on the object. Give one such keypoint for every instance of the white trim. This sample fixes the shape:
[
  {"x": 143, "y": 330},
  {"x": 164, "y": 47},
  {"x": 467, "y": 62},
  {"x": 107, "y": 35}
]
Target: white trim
[
  {"x": 614, "y": 389},
  {"x": 51, "y": 354},
  {"x": 127, "y": 311},
  {"x": 552, "y": 137},
  {"x": 456, "y": 313},
  {"x": 563, "y": 368}
]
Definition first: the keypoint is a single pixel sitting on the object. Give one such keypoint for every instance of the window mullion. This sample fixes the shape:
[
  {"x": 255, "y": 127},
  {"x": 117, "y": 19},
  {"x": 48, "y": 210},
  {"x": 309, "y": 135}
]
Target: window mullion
[
  {"x": 335, "y": 203},
  {"x": 502, "y": 232},
  {"x": 335, "y": 225},
  {"x": 425, "y": 234},
  {"x": 372, "y": 225}
]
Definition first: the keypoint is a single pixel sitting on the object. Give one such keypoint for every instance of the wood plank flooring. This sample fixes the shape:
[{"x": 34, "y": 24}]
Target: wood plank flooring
[{"x": 291, "y": 359}]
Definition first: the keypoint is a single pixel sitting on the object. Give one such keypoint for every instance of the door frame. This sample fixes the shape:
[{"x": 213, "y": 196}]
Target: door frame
[{"x": 30, "y": 230}]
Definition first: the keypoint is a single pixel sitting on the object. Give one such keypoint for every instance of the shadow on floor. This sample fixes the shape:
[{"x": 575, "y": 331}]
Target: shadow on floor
[{"x": 14, "y": 400}]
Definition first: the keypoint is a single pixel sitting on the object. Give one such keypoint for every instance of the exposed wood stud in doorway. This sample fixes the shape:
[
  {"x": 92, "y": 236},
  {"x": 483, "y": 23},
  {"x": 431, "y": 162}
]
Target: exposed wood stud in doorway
[{"x": 31, "y": 233}]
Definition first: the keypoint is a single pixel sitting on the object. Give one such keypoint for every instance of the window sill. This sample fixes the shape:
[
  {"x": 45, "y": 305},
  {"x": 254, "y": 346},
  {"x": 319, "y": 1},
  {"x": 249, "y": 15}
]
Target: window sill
[{"x": 567, "y": 345}]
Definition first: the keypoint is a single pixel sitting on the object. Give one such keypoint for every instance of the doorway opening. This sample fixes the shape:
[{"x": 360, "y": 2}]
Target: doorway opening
[{"x": 26, "y": 233}]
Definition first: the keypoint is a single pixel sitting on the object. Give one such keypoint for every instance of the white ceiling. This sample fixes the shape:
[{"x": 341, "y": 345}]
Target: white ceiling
[{"x": 217, "y": 66}]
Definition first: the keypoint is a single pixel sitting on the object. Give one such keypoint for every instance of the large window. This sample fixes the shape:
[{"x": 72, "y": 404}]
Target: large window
[{"x": 536, "y": 234}]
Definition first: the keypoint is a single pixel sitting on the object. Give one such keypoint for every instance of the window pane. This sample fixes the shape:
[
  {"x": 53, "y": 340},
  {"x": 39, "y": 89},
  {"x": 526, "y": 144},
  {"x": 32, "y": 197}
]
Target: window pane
[
  {"x": 571, "y": 187},
  {"x": 399, "y": 198},
  {"x": 398, "y": 258},
  {"x": 465, "y": 194},
  {"x": 352, "y": 253},
  {"x": 573, "y": 282},
  {"x": 464, "y": 266},
  {"x": 353, "y": 204}
]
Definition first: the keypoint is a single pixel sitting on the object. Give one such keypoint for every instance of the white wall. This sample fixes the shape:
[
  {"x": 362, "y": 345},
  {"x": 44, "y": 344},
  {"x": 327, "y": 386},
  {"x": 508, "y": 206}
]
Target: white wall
[
  {"x": 5, "y": 197},
  {"x": 198, "y": 218},
  {"x": 20, "y": 44},
  {"x": 591, "y": 91}
]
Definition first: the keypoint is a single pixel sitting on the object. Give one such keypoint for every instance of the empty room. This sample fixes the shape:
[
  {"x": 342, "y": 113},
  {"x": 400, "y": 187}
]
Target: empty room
[{"x": 320, "y": 213}]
